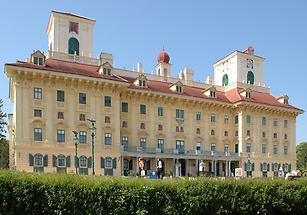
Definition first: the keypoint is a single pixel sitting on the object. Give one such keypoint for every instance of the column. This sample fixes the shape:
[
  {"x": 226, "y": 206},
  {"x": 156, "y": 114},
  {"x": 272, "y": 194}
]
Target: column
[{"x": 226, "y": 168}]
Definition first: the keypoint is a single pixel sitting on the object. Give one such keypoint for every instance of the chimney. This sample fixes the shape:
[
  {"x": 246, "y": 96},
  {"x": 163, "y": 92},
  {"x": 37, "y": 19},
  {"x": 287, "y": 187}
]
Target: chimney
[
  {"x": 140, "y": 69},
  {"x": 106, "y": 58},
  {"x": 188, "y": 76}
]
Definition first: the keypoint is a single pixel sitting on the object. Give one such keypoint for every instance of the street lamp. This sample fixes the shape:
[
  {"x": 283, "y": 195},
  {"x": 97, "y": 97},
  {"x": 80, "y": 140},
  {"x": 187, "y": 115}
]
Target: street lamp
[
  {"x": 249, "y": 165},
  {"x": 76, "y": 141},
  {"x": 93, "y": 129}
]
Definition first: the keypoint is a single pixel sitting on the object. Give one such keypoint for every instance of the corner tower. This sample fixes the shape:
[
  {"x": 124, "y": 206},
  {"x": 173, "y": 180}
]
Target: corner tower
[
  {"x": 163, "y": 67},
  {"x": 239, "y": 67},
  {"x": 70, "y": 33}
]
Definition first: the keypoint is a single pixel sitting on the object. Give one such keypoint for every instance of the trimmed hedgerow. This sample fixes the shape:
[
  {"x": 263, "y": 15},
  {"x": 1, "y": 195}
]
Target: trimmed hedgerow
[{"x": 27, "y": 193}]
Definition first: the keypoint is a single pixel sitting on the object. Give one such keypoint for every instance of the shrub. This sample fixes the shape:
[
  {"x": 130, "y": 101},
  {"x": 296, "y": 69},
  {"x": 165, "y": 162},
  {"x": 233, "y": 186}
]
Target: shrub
[{"x": 29, "y": 193}]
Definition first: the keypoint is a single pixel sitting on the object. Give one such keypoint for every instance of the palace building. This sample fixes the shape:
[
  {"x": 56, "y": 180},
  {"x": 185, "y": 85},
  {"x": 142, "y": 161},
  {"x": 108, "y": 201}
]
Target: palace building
[{"x": 171, "y": 123}]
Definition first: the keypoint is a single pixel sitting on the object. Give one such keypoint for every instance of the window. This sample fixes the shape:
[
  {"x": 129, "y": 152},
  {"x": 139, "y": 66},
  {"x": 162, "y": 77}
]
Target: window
[
  {"x": 82, "y": 98},
  {"x": 248, "y": 95},
  {"x": 160, "y": 111},
  {"x": 61, "y": 161},
  {"x": 82, "y": 117},
  {"x": 285, "y": 150},
  {"x": 180, "y": 146},
  {"x": 37, "y": 113},
  {"x": 74, "y": 27},
  {"x": 198, "y": 146},
  {"x": 38, "y": 61},
  {"x": 161, "y": 144},
  {"x": 143, "y": 109},
  {"x": 237, "y": 133},
  {"x": 73, "y": 46},
  {"x": 125, "y": 107},
  {"x": 107, "y": 101},
  {"x": 60, "y": 115},
  {"x": 286, "y": 123},
  {"x": 212, "y": 132},
  {"x": 142, "y": 83},
  {"x": 213, "y": 118},
  {"x": 60, "y": 95},
  {"x": 108, "y": 163},
  {"x": 264, "y": 167},
  {"x": 212, "y": 93},
  {"x": 248, "y": 119},
  {"x": 213, "y": 147},
  {"x": 226, "y": 148},
  {"x": 225, "y": 80},
  {"x": 82, "y": 136},
  {"x": 275, "y": 149},
  {"x": 60, "y": 136},
  {"x": 181, "y": 129},
  {"x": 275, "y": 122},
  {"x": 286, "y": 136},
  {"x": 106, "y": 71},
  {"x": 236, "y": 119},
  {"x": 38, "y": 160},
  {"x": 160, "y": 127},
  {"x": 178, "y": 89},
  {"x": 125, "y": 124},
  {"x": 198, "y": 116},
  {"x": 275, "y": 167},
  {"x": 38, "y": 134},
  {"x": 143, "y": 143},
  {"x": 248, "y": 147},
  {"x": 263, "y": 134},
  {"x": 198, "y": 131},
  {"x": 226, "y": 133},
  {"x": 226, "y": 119},
  {"x": 177, "y": 129},
  {"x": 263, "y": 148},
  {"x": 179, "y": 114},
  {"x": 142, "y": 125},
  {"x": 275, "y": 135},
  {"x": 83, "y": 162},
  {"x": 236, "y": 148},
  {"x": 125, "y": 143},
  {"x": 263, "y": 120},
  {"x": 250, "y": 77},
  {"x": 38, "y": 93},
  {"x": 108, "y": 139},
  {"x": 248, "y": 133},
  {"x": 107, "y": 119}
]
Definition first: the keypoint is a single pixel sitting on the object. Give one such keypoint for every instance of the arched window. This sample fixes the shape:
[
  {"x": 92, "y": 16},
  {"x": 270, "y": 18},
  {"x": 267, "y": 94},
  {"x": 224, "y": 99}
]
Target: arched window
[
  {"x": 38, "y": 160},
  {"x": 73, "y": 46},
  {"x": 225, "y": 80},
  {"x": 83, "y": 162},
  {"x": 250, "y": 77}
]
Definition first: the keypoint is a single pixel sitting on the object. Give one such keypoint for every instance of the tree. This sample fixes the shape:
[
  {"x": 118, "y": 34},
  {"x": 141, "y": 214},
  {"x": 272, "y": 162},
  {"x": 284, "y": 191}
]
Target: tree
[
  {"x": 3, "y": 142},
  {"x": 301, "y": 155}
]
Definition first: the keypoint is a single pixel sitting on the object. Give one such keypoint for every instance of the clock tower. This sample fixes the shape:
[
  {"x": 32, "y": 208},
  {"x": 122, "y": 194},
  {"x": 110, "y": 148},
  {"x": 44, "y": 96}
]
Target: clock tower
[{"x": 239, "y": 67}]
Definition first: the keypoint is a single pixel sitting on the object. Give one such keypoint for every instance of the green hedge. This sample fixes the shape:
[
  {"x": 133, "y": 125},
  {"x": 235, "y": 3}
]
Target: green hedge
[{"x": 25, "y": 193}]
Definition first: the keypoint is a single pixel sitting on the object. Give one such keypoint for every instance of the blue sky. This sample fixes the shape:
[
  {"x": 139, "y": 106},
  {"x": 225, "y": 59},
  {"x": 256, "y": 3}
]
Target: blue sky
[{"x": 194, "y": 33}]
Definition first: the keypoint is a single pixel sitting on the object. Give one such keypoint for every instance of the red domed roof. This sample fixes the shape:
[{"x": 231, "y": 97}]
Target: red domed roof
[{"x": 163, "y": 57}]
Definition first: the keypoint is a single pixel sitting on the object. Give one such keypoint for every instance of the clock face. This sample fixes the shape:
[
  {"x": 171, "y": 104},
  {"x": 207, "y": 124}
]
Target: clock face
[{"x": 249, "y": 63}]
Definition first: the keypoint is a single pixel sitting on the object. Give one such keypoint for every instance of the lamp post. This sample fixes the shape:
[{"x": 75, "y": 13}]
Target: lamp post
[
  {"x": 249, "y": 167},
  {"x": 93, "y": 129},
  {"x": 76, "y": 141}
]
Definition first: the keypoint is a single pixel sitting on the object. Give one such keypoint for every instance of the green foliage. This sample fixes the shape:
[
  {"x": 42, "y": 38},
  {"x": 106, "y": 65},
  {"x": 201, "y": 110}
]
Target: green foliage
[
  {"x": 301, "y": 155},
  {"x": 29, "y": 193}
]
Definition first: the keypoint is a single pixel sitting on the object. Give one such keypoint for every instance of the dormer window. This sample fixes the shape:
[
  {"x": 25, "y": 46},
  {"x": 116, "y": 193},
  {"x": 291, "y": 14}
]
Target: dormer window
[
  {"x": 177, "y": 87},
  {"x": 38, "y": 58},
  {"x": 210, "y": 92},
  {"x": 141, "y": 81},
  {"x": 106, "y": 71},
  {"x": 283, "y": 99},
  {"x": 246, "y": 93}
]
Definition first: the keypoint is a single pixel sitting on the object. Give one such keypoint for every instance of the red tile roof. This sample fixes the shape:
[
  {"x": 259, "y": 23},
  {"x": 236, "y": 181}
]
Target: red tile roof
[{"x": 231, "y": 97}]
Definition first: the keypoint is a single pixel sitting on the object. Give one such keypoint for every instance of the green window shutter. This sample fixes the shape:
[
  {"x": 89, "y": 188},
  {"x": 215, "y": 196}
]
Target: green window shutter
[
  {"x": 89, "y": 162},
  {"x": 54, "y": 160},
  {"x": 76, "y": 162},
  {"x": 245, "y": 166},
  {"x": 148, "y": 165},
  {"x": 31, "y": 160},
  {"x": 35, "y": 61},
  {"x": 40, "y": 61},
  {"x": 131, "y": 165},
  {"x": 268, "y": 166},
  {"x": 46, "y": 160},
  {"x": 289, "y": 167},
  {"x": 253, "y": 166},
  {"x": 68, "y": 161},
  {"x": 261, "y": 167},
  {"x": 114, "y": 163},
  {"x": 102, "y": 162},
  {"x": 273, "y": 167}
]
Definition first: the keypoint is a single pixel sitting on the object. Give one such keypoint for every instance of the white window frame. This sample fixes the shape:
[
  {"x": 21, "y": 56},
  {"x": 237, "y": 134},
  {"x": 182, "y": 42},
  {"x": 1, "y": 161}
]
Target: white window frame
[
  {"x": 58, "y": 160},
  {"x": 38, "y": 160},
  {"x": 108, "y": 163},
  {"x": 83, "y": 161},
  {"x": 213, "y": 118}
]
